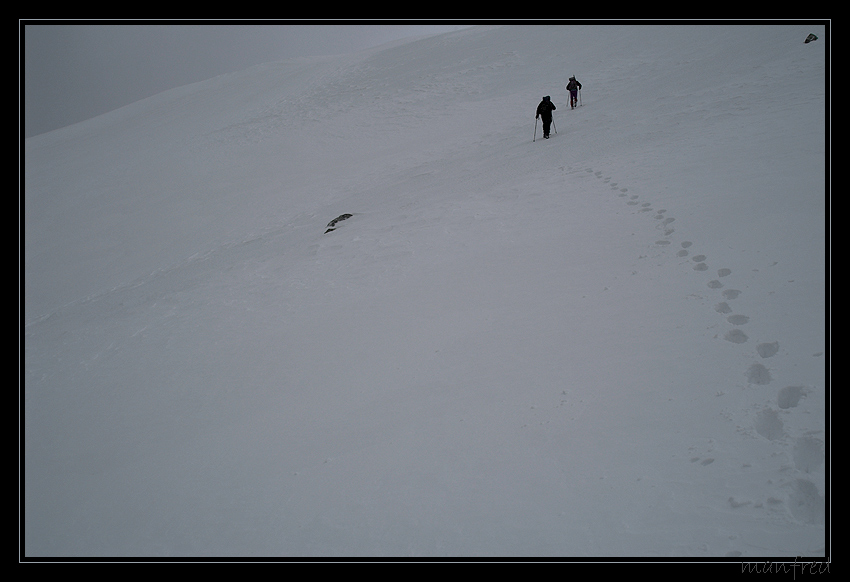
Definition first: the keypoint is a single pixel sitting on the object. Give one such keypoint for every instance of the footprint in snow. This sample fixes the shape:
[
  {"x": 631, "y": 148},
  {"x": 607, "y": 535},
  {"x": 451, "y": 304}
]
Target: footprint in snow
[
  {"x": 789, "y": 397},
  {"x": 758, "y": 374},
  {"x": 768, "y": 350},
  {"x": 805, "y": 503},
  {"x": 703, "y": 462},
  {"x": 808, "y": 454},
  {"x": 736, "y": 336},
  {"x": 769, "y": 425}
]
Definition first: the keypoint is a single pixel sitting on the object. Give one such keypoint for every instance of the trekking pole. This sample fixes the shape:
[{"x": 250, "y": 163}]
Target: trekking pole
[
  {"x": 535, "y": 129},
  {"x": 553, "y": 123},
  {"x": 579, "y": 97}
]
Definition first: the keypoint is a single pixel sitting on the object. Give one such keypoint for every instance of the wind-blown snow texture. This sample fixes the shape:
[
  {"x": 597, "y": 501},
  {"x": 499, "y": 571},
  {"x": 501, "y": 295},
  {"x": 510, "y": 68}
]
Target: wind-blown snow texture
[{"x": 609, "y": 343}]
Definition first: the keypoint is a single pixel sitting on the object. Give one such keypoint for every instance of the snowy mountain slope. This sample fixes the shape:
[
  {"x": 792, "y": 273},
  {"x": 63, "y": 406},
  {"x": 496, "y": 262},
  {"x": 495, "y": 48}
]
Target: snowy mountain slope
[{"x": 610, "y": 343}]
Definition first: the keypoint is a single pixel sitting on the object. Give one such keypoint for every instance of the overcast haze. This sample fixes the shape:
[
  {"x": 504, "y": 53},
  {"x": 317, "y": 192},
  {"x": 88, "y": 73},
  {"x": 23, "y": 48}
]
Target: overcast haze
[
  {"x": 74, "y": 72},
  {"x": 608, "y": 344}
]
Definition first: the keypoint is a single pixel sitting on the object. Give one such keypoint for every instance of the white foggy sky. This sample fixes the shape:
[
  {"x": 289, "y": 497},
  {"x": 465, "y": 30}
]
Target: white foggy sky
[{"x": 72, "y": 72}]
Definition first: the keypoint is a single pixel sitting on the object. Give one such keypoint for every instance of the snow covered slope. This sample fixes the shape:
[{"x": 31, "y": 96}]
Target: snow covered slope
[{"x": 609, "y": 343}]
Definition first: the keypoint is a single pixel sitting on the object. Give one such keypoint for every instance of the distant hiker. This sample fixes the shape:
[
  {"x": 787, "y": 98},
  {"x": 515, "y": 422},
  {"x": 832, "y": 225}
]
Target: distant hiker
[
  {"x": 573, "y": 87},
  {"x": 545, "y": 110}
]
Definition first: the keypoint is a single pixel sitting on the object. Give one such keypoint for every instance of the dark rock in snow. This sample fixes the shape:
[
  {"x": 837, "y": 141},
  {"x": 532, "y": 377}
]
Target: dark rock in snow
[{"x": 332, "y": 223}]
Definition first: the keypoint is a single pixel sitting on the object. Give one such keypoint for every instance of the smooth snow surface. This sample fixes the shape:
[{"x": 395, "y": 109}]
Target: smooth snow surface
[{"x": 608, "y": 343}]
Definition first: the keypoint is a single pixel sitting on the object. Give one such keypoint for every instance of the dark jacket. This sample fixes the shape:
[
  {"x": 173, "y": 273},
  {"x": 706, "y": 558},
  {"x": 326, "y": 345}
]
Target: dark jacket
[
  {"x": 545, "y": 108},
  {"x": 573, "y": 84}
]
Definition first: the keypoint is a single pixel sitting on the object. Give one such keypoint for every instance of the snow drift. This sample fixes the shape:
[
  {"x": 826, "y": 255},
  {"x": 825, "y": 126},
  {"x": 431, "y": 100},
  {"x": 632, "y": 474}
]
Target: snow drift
[{"x": 609, "y": 343}]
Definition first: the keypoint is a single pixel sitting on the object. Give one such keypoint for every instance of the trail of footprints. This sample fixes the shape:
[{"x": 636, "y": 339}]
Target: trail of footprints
[
  {"x": 804, "y": 502},
  {"x": 757, "y": 372}
]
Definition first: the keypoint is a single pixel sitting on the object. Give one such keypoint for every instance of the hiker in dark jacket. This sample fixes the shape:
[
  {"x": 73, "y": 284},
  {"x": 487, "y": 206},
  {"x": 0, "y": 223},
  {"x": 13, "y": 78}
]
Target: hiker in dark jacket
[
  {"x": 545, "y": 110},
  {"x": 573, "y": 87}
]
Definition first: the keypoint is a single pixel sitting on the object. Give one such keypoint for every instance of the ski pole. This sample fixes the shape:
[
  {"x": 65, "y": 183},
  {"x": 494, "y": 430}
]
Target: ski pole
[
  {"x": 555, "y": 127},
  {"x": 535, "y": 129},
  {"x": 579, "y": 97}
]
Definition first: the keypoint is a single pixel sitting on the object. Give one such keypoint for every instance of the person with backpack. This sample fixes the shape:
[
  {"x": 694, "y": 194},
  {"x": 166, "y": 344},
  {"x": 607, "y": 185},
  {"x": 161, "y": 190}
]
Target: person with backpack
[
  {"x": 573, "y": 87},
  {"x": 545, "y": 110}
]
